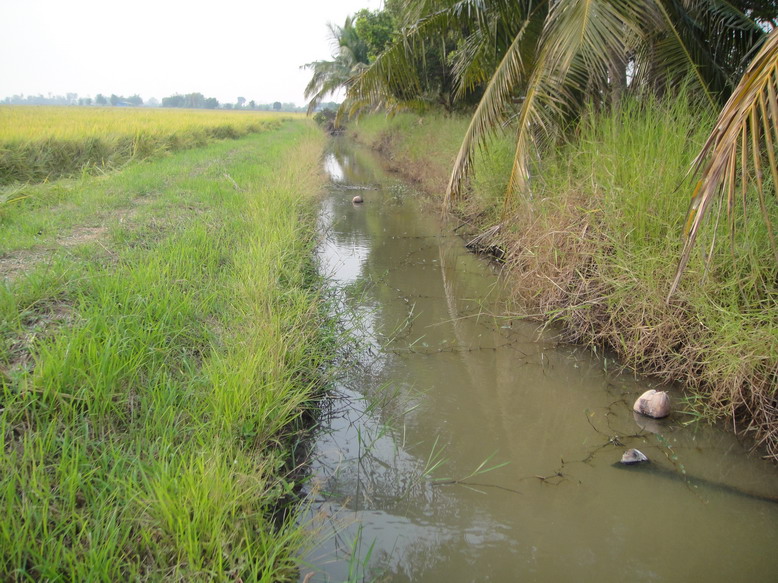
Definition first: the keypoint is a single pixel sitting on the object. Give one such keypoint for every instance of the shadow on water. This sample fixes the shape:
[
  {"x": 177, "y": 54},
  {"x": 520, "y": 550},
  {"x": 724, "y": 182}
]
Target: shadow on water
[{"x": 466, "y": 445}]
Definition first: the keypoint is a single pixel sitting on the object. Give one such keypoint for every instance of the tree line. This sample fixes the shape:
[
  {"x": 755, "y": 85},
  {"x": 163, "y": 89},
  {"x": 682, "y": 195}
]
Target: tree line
[
  {"x": 74, "y": 99},
  {"x": 188, "y": 100}
]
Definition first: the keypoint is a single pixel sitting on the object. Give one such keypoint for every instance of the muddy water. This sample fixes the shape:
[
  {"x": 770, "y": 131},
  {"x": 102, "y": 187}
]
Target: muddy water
[{"x": 442, "y": 387}]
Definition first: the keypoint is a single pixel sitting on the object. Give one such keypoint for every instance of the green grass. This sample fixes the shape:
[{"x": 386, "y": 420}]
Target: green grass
[
  {"x": 596, "y": 244},
  {"x": 158, "y": 348}
]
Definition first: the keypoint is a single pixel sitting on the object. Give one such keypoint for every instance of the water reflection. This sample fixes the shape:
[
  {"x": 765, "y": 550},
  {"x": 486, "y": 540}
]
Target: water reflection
[
  {"x": 333, "y": 168},
  {"x": 442, "y": 384}
]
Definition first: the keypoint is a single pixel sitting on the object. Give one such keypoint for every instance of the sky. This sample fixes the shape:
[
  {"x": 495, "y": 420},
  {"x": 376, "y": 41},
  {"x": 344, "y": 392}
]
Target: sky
[{"x": 156, "y": 48}]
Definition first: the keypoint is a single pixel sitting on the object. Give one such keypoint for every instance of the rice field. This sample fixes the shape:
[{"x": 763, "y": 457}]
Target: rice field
[
  {"x": 161, "y": 344},
  {"x": 38, "y": 144}
]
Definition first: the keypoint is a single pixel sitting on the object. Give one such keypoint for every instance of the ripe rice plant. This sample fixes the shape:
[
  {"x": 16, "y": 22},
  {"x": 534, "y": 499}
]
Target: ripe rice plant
[{"x": 43, "y": 143}]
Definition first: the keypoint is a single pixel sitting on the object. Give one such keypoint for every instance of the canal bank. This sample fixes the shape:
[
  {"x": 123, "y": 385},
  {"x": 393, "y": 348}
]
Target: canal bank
[
  {"x": 594, "y": 247},
  {"x": 463, "y": 444}
]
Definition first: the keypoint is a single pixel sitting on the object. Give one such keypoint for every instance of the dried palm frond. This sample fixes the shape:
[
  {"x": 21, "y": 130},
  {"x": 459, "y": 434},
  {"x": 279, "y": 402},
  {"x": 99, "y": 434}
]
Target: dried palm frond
[{"x": 741, "y": 144}]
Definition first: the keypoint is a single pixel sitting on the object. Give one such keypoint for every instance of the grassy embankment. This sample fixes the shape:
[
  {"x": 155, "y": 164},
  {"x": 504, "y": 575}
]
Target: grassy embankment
[
  {"x": 159, "y": 343},
  {"x": 596, "y": 246},
  {"x": 44, "y": 143}
]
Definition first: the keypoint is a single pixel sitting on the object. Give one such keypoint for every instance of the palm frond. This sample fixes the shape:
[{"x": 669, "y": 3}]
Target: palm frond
[
  {"x": 582, "y": 41},
  {"x": 744, "y": 137},
  {"x": 395, "y": 71},
  {"x": 491, "y": 113},
  {"x": 327, "y": 78},
  {"x": 480, "y": 52},
  {"x": 706, "y": 41},
  {"x": 474, "y": 61}
]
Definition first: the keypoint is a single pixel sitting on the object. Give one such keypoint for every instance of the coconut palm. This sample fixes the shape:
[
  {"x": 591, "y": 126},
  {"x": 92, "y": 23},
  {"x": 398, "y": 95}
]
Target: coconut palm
[
  {"x": 741, "y": 150},
  {"x": 350, "y": 54},
  {"x": 541, "y": 62}
]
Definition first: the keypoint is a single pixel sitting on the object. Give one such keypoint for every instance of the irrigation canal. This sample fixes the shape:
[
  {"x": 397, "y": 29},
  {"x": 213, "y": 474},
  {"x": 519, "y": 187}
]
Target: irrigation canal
[{"x": 441, "y": 386}]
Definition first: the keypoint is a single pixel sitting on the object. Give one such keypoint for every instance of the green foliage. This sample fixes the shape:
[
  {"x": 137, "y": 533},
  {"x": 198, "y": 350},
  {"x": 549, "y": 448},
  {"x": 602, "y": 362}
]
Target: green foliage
[
  {"x": 538, "y": 65},
  {"x": 376, "y": 29},
  {"x": 325, "y": 117}
]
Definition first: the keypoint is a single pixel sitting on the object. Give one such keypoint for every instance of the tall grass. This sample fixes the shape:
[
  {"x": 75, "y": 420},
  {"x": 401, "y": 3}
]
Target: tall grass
[
  {"x": 410, "y": 142},
  {"x": 153, "y": 378},
  {"x": 614, "y": 202},
  {"x": 44, "y": 143},
  {"x": 596, "y": 245}
]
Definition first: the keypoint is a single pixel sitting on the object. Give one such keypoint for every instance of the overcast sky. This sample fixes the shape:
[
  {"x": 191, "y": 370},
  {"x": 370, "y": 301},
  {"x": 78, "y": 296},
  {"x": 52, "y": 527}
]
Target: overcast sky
[{"x": 223, "y": 49}]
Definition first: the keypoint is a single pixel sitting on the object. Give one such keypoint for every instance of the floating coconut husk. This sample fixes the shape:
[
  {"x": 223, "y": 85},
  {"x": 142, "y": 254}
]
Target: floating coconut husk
[
  {"x": 633, "y": 456},
  {"x": 653, "y": 403}
]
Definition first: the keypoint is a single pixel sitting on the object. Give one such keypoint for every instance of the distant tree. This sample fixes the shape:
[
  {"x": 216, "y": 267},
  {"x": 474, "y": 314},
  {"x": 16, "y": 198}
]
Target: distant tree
[
  {"x": 135, "y": 100},
  {"x": 330, "y": 105},
  {"x": 173, "y": 101},
  {"x": 277, "y": 106},
  {"x": 252, "y": 104},
  {"x": 211, "y": 103},
  {"x": 152, "y": 102},
  {"x": 114, "y": 99},
  {"x": 195, "y": 100},
  {"x": 241, "y": 101},
  {"x": 72, "y": 98},
  {"x": 85, "y": 101},
  {"x": 100, "y": 99},
  {"x": 227, "y": 106}
]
